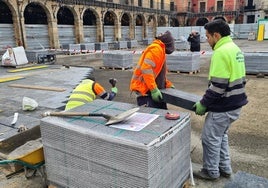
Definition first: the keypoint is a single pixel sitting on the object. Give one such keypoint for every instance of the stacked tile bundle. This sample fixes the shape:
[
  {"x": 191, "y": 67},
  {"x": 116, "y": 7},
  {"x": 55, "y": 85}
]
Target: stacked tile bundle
[
  {"x": 183, "y": 61},
  {"x": 121, "y": 45},
  {"x": 71, "y": 48},
  {"x": 182, "y": 45},
  {"x": 118, "y": 59},
  {"x": 101, "y": 46},
  {"x": 83, "y": 152},
  {"x": 87, "y": 47},
  {"x": 132, "y": 44},
  {"x": 256, "y": 62}
]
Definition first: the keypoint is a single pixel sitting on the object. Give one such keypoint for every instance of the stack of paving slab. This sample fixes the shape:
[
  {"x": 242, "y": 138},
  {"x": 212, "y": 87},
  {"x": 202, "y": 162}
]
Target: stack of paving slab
[
  {"x": 83, "y": 152},
  {"x": 87, "y": 47},
  {"x": 118, "y": 59},
  {"x": 183, "y": 61},
  {"x": 147, "y": 41},
  {"x": 132, "y": 44},
  {"x": 71, "y": 48},
  {"x": 121, "y": 45},
  {"x": 256, "y": 62},
  {"x": 101, "y": 46},
  {"x": 182, "y": 45}
]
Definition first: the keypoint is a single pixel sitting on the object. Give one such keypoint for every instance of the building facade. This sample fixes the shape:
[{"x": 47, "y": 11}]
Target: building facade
[
  {"x": 199, "y": 12},
  {"x": 51, "y": 23}
]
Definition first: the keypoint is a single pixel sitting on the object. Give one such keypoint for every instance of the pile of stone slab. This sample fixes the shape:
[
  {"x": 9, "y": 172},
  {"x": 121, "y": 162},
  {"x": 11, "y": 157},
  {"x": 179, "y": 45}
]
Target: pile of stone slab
[
  {"x": 256, "y": 62},
  {"x": 118, "y": 59},
  {"x": 87, "y": 47},
  {"x": 71, "y": 48},
  {"x": 83, "y": 152},
  {"x": 102, "y": 46},
  {"x": 132, "y": 44},
  {"x": 182, "y": 45},
  {"x": 184, "y": 61}
]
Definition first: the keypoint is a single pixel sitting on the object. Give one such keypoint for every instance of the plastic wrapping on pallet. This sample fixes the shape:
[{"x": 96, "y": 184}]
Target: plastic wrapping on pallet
[
  {"x": 118, "y": 59},
  {"x": 183, "y": 61},
  {"x": 71, "y": 48},
  {"x": 182, "y": 45},
  {"x": 156, "y": 156},
  {"x": 14, "y": 57},
  {"x": 101, "y": 46},
  {"x": 256, "y": 62},
  {"x": 86, "y": 47},
  {"x": 132, "y": 44}
]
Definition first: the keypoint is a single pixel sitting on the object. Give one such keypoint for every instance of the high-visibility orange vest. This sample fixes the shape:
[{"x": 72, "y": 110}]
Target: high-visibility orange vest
[{"x": 148, "y": 68}]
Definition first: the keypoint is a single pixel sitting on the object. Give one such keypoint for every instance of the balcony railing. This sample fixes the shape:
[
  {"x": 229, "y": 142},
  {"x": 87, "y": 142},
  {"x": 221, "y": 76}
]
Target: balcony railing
[{"x": 117, "y": 6}]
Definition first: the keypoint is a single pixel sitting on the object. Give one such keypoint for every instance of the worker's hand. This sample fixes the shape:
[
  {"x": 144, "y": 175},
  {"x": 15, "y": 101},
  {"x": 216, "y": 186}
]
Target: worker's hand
[
  {"x": 199, "y": 108},
  {"x": 114, "y": 90},
  {"x": 172, "y": 87},
  {"x": 156, "y": 95}
]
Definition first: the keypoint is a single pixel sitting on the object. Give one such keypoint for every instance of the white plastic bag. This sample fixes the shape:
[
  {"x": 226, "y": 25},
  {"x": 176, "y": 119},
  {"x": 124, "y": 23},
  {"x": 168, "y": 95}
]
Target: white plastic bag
[{"x": 29, "y": 104}]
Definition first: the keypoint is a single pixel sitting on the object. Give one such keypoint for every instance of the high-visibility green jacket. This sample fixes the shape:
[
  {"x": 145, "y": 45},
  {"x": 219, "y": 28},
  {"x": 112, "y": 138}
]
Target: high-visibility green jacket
[{"x": 226, "y": 78}]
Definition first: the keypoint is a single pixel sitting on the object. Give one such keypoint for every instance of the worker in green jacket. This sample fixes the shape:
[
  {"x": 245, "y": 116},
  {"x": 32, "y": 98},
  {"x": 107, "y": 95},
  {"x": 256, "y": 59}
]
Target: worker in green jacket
[{"x": 222, "y": 100}]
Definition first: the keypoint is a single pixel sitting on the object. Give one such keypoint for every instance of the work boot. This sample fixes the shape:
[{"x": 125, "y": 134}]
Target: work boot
[
  {"x": 225, "y": 174},
  {"x": 203, "y": 174}
]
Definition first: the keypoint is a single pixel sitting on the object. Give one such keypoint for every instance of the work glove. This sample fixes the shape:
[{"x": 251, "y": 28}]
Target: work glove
[
  {"x": 199, "y": 108},
  {"x": 114, "y": 90},
  {"x": 172, "y": 87},
  {"x": 156, "y": 95}
]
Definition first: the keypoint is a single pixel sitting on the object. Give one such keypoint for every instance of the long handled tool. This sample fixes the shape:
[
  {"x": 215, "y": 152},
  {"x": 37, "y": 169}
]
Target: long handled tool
[{"x": 111, "y": 119}]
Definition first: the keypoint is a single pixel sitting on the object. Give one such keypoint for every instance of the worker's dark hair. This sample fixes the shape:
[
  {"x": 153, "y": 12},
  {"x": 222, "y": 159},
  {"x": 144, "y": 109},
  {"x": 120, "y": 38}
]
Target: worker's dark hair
[{"x": 218, "y": 26}]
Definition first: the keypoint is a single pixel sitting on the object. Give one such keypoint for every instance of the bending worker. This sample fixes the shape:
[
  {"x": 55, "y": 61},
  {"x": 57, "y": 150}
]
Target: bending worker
[
  {"x": 150, "y": 73},
  {"x": 87, "y": 91}
]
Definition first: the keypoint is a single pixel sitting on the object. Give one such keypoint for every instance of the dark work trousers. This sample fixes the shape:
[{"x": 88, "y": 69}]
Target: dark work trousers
[{"x": 149, "y": 102}]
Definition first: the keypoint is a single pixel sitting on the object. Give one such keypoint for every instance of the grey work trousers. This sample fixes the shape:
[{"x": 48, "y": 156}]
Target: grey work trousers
[{"x": 215, "y": 141}]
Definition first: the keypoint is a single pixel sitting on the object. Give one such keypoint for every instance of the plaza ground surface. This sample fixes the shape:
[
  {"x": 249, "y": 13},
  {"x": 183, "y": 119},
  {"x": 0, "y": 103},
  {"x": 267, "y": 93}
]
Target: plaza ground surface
[{"x": 248, "y": 136}]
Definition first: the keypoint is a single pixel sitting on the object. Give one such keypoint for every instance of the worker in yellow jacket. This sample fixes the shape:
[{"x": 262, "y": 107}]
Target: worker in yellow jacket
[
  {"x": 150, "y": 73},
  {"x": 87, "y": 91}
]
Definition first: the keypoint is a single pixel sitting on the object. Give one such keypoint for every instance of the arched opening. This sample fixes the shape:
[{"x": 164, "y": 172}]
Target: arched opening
[
  {"x": 66, "y": 30},
  {"x": 109, "y": 26},
  {"x": 162, "y": 21},
  {"x": 125, "y": 26},
  {"x": 7, "y": 35},
  {"x": 139, "y": 35},
  {"x": 36, "y": 26},
  {"x": 90, "y": 26}
]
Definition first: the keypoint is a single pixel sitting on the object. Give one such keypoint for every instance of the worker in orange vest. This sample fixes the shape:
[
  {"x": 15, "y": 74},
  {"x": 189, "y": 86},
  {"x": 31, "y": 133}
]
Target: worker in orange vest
[
  {"x": 150, "y": 73},
  {"x": 87, "y": 91}
]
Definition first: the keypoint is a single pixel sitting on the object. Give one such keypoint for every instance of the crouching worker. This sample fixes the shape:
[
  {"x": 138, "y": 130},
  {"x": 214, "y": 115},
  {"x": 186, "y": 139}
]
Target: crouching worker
[{"x": 87, "y": 91}]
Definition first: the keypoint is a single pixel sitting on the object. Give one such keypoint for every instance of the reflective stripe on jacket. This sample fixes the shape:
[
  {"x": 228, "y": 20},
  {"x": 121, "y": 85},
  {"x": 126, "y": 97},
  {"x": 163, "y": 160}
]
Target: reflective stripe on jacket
[
  {"x": 148, "y": 68},
  {"x": 82, "y": 94},
  {"x": 227, "y": 72}
]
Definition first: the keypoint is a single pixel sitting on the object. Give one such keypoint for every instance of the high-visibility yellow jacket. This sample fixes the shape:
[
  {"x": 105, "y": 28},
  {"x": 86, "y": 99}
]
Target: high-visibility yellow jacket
[
  {"x": 227, "y": 78},
  {"x": 150, "y": 72},
  {"x": 85, "y": 92}
]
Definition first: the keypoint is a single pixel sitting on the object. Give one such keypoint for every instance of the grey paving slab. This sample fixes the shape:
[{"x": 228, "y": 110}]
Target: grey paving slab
[
  {"x": 180, "y": 98},
  {"x": 156, "y": 156}
]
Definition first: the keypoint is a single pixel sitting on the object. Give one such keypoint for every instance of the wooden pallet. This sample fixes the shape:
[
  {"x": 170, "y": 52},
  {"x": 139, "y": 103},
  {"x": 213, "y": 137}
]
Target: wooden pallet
[
  {"x": 116, "y": 68},
  {"x": 185, "y": 72}
]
